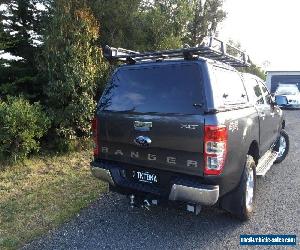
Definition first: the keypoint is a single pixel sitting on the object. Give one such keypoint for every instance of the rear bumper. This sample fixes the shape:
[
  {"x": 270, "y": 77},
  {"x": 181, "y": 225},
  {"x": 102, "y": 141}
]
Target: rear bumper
[
  {"x": 178, "y": 189},
  {"x": 206, "y": 195},
  {"x": 102, "y": 174}
]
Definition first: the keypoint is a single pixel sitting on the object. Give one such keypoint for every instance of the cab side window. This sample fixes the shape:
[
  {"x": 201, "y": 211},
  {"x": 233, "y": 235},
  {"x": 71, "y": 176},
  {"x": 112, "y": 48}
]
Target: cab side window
[
  {"x": 254, "y": 91},
  {"x": 228, "y": 87}
]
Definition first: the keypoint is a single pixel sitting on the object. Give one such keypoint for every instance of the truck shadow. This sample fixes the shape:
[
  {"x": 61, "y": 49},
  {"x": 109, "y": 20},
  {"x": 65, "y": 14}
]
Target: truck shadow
[
  {"x": 111, "y": 223},
  {"x": 163, "y": 227}
]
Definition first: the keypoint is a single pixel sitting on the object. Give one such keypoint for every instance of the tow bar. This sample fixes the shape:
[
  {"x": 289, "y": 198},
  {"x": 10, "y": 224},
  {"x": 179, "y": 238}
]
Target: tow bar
[
  {"x": 193, "y": 208},
  {"x": 146, "y": 203},
  {"x": 141, "y": 202}
]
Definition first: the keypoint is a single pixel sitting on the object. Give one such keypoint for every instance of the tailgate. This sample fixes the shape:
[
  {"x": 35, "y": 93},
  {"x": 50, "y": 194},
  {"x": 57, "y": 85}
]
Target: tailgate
[{"x": 176, "y": 141}]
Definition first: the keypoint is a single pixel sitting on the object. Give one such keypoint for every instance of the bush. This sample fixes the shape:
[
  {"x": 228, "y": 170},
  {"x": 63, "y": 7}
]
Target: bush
[
  {"x": 21, "y": 127},
  {"x": 73, "y": 64}
]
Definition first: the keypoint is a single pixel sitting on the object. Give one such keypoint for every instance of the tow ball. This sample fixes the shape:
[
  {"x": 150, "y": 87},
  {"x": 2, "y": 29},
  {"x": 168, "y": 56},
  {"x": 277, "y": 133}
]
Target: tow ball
[
  {"x": 132, "y": 200},
  {"x": 141, "y": 202}
]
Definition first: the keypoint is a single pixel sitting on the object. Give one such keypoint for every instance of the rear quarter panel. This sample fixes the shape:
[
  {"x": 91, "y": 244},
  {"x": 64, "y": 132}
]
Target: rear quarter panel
[{"x": 243, "y": 129}]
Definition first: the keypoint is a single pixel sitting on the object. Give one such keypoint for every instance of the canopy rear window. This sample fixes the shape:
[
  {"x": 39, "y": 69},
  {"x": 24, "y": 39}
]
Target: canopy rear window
[{"x": 170, "y": 88}]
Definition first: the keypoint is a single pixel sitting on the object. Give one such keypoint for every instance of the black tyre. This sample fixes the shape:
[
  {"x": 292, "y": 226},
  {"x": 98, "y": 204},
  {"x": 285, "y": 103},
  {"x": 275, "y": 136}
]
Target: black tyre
[
  {"x": 283, "y": 146},
  {"x": 240, "y": 202}
]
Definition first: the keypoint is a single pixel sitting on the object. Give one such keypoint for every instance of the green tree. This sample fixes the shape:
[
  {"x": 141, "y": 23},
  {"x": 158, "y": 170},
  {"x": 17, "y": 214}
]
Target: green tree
[
  {"x": 142, "y": 25},
  {"x": 206, "y": 15},
  {"x": 72, "y": 61},
  {"x": 4, "y": 41},
  {"x": 164, "y": 23},
  {"x": 20, "y": 30},
  {"x": 253, "y": 68},
  {"x": 158, "y": 24},
  {"x": 119, "y": 22}
]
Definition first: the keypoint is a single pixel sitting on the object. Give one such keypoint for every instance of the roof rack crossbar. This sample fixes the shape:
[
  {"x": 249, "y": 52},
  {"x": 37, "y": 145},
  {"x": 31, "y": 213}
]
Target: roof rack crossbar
[{"x": 212, "y": 48}]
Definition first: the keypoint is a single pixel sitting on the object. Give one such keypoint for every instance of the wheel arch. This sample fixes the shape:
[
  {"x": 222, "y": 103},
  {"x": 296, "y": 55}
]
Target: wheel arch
[
  {"x": 283, "y": 124},
  {"x": 254, "y": 151}
]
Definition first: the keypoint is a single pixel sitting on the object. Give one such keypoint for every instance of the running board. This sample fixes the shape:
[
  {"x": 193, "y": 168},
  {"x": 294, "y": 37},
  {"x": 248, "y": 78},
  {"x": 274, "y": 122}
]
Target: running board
[{"x": 266, "y": 162}]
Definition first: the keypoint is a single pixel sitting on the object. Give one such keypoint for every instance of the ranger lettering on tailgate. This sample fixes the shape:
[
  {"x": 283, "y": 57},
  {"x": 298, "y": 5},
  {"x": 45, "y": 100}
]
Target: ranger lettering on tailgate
[{"x": 149, "y": 157}]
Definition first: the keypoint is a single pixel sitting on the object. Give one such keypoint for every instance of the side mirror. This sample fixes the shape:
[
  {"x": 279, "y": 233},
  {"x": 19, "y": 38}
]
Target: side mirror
[{"x": 280, "y": 100}]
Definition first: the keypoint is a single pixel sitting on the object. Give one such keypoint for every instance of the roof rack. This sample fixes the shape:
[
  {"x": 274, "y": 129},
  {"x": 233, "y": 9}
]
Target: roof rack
[{"x": 211, "y": 47}]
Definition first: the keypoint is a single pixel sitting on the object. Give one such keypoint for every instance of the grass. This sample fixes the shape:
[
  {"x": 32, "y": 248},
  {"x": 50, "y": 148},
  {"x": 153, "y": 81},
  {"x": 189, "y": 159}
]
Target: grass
[{"x": 43, "y": 192}]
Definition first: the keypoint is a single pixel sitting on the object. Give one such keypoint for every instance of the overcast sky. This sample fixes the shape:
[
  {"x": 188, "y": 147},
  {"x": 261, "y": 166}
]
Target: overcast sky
[{"x": 267, "y": 30}]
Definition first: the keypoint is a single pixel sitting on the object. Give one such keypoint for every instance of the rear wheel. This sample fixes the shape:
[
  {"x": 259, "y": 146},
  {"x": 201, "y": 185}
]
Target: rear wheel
[
  {"x": 247, "y": 190},
  {"x": 241, "y": 201},
  {"x": 283, "y": 146}
]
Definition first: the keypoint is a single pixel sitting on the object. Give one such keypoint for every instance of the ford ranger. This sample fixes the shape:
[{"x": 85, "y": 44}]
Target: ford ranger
[{"x": 184, "y": 126}]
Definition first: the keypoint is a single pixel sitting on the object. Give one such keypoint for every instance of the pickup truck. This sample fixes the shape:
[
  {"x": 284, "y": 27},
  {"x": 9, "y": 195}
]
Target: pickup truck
[{"x": 186, "y": 129}]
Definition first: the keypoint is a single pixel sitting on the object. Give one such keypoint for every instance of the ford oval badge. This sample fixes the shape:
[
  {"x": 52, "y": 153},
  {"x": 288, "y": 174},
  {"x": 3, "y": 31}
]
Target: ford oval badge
[{"x": 142, "y": 141}]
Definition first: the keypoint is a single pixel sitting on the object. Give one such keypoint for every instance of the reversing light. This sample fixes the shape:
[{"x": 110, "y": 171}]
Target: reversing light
[{"x": 215, "y": 149}]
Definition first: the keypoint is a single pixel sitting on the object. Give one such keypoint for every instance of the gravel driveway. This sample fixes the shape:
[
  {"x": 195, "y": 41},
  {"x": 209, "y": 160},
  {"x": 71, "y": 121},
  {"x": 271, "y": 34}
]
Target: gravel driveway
[{"x": 111, "y": 224}]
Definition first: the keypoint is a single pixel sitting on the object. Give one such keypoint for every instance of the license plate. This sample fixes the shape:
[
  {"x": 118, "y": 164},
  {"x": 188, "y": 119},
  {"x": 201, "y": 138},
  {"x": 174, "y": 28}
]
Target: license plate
[{"x": 143, "y": 176}]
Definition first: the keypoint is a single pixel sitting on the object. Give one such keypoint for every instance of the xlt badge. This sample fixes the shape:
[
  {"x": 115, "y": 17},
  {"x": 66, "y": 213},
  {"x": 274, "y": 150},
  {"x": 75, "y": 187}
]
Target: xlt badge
[
  {"x": 189, "y": 126},
  {"x": 142, "y": 126}
]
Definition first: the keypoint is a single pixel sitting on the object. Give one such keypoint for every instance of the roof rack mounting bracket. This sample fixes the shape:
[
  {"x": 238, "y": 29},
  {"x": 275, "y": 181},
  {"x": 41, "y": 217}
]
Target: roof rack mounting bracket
[
  {"x": 130, "y": 60},
  {"x": 189, "y": 56}
]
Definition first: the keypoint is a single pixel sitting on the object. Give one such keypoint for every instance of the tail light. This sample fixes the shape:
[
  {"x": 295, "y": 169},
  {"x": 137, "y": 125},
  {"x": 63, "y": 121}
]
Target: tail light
[
  {"x": 215, "y": 149},
  {"x": 95, "y": 136}
]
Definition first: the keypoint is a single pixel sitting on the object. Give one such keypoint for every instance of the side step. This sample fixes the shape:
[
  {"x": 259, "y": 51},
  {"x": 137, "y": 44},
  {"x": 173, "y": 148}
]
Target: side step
[{"x": 266, "y": 162}]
